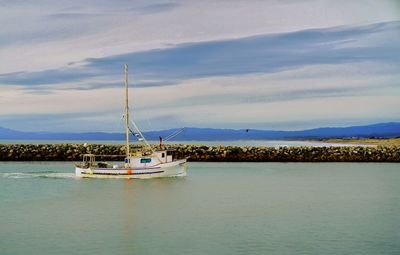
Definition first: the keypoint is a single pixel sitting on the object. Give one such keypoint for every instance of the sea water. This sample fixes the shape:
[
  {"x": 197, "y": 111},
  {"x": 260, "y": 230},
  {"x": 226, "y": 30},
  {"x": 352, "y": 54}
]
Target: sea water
[
  {"x": 270, "y": 143},
  {"x": 219, "y": 208}
]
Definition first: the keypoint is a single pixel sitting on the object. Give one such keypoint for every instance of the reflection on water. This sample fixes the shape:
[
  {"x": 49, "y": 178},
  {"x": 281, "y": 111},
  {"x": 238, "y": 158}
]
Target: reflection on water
[{"x": 219, "y": 208}]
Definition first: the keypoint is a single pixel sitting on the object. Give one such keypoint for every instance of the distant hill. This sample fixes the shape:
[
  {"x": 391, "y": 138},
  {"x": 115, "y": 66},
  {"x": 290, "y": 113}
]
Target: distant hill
[{"x": 381, "y": 130}]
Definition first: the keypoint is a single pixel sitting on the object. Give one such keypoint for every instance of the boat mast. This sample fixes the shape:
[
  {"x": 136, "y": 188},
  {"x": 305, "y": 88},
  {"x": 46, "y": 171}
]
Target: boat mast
[{"x": 126, "y": 116}]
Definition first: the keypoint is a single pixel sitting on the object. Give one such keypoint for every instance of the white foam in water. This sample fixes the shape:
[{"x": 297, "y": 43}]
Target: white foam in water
[
  {"x": 38, "y": 175},
  {"x": 59, "y": 175},
  {"x": 13, "y": 175}
]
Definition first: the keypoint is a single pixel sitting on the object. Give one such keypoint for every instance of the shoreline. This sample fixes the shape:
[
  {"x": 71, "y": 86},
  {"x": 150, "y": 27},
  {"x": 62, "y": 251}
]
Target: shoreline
[
  {"x": 73, "y": 152},
  {"x": 367, "y": 141}
]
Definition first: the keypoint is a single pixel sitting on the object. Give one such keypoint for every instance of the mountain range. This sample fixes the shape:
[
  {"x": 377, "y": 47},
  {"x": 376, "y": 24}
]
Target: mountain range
[{"x": 381, "y": 130}]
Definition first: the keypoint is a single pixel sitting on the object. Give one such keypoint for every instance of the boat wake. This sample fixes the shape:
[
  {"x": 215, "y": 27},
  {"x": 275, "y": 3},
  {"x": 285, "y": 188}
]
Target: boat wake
[{"x": 47, "y": 174}]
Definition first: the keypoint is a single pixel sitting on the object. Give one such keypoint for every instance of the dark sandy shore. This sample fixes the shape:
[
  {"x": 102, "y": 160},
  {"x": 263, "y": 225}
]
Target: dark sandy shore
[{"x": 369, "y": 141}]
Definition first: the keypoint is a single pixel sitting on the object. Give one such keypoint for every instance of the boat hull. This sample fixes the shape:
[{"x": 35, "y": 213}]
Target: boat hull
[{"x": 171, "y": 169}]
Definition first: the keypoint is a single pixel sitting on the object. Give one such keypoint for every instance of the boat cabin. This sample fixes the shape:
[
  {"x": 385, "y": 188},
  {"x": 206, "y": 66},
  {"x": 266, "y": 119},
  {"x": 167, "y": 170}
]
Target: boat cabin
[{"x": 160, "y": 156}]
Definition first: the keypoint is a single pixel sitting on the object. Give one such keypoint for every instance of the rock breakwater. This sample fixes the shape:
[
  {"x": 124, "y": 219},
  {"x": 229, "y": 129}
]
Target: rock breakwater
[{"x": 74, "y": 152}]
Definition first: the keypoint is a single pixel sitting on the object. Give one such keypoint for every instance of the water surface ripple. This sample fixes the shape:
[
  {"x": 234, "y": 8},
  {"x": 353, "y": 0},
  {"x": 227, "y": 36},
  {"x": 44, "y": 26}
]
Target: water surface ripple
[{"x": 220, "y": 208}]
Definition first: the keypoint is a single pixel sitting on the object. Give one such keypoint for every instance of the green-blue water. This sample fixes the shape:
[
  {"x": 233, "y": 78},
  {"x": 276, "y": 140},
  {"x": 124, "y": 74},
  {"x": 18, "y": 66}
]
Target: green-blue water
[{"x": 220, "y": 208}]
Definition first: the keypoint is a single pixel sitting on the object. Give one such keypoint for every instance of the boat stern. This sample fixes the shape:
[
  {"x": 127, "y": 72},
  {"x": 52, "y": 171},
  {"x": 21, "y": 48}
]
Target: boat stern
[{"x": 78, "y": 171}]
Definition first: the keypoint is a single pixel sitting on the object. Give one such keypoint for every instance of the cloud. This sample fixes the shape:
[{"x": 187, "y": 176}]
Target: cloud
[
  {"x": 291, "y": 99},
  {"x": 54, "y": 33},
  {"x": 264, "y": 64},
  {"x": 258, "y": 54},
  {"x": 154, "y": 8},
  {"x": 61, "y": 122}
]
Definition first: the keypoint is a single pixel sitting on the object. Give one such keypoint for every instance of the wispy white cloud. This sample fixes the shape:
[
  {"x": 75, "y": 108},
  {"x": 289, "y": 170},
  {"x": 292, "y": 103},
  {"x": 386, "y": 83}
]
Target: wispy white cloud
[
  {"x": 264, "y": 64},
  {"x": 343, "y": 95},
  {"x": 50, "y": 34},
  {"x": 263, "y": 53}
]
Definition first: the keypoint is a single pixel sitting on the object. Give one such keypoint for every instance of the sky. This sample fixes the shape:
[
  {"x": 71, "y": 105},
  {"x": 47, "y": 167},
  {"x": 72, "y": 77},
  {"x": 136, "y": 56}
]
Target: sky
[{"x": 276, "y": 65}]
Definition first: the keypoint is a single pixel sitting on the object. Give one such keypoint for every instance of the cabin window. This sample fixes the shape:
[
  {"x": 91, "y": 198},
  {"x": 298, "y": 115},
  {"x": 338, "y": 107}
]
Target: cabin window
[
  {"x": 145, "y": 160},
  {"x": 163, "y": 155}
]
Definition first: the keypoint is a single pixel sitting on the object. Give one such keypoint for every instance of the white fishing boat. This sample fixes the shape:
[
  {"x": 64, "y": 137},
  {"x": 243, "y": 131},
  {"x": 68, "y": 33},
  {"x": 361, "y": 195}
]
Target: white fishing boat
[{"x": 145, "y": 163}]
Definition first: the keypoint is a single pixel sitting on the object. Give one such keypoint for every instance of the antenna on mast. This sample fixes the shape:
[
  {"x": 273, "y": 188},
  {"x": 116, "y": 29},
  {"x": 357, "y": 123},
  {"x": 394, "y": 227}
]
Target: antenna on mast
[{"x": 127, "y": 163}]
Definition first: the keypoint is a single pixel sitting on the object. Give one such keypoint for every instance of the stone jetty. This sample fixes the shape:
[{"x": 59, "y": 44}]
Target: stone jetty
[{"x": 73, "y": 152}]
